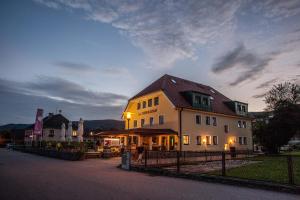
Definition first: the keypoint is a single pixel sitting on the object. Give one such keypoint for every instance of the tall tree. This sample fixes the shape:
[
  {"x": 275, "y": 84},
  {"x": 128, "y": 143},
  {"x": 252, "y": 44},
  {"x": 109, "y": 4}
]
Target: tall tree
[
  {"x": 283, "y": 101},
  {"x": 282, "y": 95}
]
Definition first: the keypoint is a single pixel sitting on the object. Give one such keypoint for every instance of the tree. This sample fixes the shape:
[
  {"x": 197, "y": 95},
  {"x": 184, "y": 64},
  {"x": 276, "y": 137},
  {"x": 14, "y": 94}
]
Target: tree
[
  {"x": 283, "y": 101},
  {"x": 282, "y": 95}
]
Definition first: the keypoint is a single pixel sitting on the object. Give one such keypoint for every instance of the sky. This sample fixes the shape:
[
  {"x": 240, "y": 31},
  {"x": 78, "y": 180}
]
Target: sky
[{"x": 88, "y": 57}]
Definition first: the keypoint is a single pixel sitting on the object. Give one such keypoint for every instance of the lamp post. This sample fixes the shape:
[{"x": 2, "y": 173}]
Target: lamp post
[
  {"x": 128, "y": 117},
  {"x": 204, "y": 143}
]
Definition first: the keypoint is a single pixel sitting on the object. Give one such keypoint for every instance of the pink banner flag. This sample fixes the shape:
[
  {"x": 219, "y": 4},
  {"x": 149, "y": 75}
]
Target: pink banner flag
[{"x": 38, "y": 126}]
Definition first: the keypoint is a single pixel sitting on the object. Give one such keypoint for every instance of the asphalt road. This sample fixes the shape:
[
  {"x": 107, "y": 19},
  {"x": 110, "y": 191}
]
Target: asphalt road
[{"x": 25, "y": 177}]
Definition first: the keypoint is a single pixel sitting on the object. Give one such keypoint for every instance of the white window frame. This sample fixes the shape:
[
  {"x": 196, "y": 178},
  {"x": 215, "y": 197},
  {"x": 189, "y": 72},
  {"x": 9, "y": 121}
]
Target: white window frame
[{"x": 151, "y": 123}]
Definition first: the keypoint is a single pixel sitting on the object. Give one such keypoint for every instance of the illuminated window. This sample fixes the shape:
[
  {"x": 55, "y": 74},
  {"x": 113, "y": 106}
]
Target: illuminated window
[
  {"x": 156, "y": 101},
  {"x": 149, "y": 102},
  {"x": 198, "y": 119},
  {"x": 198, "y": 140},
  {"x": 163, "y": 141},
  {"x": 154, "y": 140},
  {"x": 214, "y": 119},
  {"x": 122, "y": 140},
  {"x": 186, "y": 139},
  {"x": 215, "y": 140},
  {"x": 208, "y": 140},
  {"x": 74, "y": 133}
]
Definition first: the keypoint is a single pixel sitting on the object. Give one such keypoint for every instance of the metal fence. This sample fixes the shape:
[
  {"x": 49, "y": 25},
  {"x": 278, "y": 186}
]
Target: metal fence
[{"x": 283, "y": 169}]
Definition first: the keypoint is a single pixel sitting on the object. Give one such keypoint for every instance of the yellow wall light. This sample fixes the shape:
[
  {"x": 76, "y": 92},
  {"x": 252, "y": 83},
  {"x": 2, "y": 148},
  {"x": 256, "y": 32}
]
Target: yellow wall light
[{"x": 128, "y": 115}]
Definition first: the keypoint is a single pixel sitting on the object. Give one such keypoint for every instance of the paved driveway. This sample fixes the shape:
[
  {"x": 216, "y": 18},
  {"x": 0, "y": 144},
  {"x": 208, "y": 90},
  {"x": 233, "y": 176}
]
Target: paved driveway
[{"x": 25, "y": 177}]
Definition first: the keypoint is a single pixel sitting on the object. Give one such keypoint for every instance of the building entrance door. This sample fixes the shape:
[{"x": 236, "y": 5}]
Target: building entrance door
[{"x": 171, "y": 143}]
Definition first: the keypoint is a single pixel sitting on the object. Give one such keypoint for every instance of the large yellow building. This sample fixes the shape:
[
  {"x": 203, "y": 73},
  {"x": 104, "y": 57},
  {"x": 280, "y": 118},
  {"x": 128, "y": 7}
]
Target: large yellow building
[{"x": 177, "y": 114}]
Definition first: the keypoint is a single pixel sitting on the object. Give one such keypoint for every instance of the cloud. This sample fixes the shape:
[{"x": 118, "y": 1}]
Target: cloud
[
  {"x": 242, "y": 58},
  {"x": 72, "y": 92},
  {"x": 167, "y": 31},
  {"x": 21, "y": 98},
  {"x": 50, "y": 4},
  {"x": 258, "y": 96},
  {"x": 276, "y": 9},
  {"x": 82, "y": 68},
  {"x": 74, "y": 66},
  {"x": 267, "y": 83}
]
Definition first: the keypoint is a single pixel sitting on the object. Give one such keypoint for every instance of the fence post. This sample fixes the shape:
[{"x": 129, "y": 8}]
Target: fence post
[
  {"x": 178, "y": 161},
  {"x": 290, "y": 169},
  {"x": 146, "y": 157},
  {"x": 223, "y": 164}
]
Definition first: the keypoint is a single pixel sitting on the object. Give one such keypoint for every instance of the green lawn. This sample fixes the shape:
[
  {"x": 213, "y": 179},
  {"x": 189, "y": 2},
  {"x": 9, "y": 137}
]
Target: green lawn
[
  {"x": 293, "y": 153},
  {"x": 268, "y": 169}
]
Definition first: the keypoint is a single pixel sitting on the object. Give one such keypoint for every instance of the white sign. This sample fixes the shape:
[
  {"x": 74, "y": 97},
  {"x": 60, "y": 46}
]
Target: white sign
[{"x": 111, "y": 142}]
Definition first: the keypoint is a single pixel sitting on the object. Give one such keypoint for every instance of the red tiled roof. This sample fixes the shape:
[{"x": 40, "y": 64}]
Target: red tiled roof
[{"x": 173, "y": 87}]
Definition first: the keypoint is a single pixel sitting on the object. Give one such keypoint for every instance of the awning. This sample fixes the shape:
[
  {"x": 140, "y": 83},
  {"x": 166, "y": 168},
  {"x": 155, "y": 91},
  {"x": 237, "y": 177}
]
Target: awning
[{"x": 138, "y": 131}]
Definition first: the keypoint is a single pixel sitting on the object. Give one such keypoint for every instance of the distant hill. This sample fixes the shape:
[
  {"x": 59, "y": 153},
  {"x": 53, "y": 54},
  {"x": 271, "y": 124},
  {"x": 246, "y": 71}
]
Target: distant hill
[
  {"x": 104, "y": 125},
  {"x": 9, "y": 127}
]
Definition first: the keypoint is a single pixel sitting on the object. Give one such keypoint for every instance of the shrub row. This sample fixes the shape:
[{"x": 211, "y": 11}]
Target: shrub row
[{"x": 65, "y": 155}]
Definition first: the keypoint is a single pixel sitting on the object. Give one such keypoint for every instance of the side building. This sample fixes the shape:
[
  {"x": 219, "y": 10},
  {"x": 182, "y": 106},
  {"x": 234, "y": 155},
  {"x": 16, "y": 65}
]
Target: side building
[
  {"x": 56, "y": 127},
  {"x": 177, "y": 114}
]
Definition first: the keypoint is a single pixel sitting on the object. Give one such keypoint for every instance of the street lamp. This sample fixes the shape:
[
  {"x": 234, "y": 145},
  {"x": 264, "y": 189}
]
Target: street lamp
[{"x": 128, "y": 117}]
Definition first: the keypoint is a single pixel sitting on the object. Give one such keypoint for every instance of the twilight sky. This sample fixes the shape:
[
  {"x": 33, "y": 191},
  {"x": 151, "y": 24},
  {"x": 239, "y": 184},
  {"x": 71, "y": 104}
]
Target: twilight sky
[{"x": 87, "y": 57}]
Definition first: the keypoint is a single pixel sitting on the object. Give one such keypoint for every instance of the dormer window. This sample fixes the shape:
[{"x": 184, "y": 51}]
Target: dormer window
[
  {"x": 244, "y": 108},
  {"x": 198, "y": 99},
  {"x": 239, "y": 108},
  {"x": 205, "y": 101}
]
